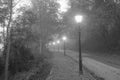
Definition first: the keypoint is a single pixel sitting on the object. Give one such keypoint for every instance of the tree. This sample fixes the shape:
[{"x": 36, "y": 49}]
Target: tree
[
  {"x": 21, "y": 31},
  {"x": 48, "y": 22},
  {"x": 8, "y": 41},
  {"x": 101, "y": 23},
  {"x": 21, "y": 36},
  {"x": 104, "y": 24}
]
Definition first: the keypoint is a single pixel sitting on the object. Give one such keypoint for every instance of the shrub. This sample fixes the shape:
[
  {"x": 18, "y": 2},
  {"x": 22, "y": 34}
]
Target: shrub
[
  {"x": 22, "y": 61},
  {"x": 39, "y": 71},
  {"x": 1, "y": 66}
]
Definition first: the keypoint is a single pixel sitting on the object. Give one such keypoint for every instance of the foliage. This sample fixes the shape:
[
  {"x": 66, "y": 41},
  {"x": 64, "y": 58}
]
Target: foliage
[
  {"x": 1, "y": 65},
  {"x": 21, "y": 60},
  {"x": 23, "y": 34},
  {"x": 20, "y": 55},
  {"x": 105, "y": 17},
  {"x": 3, "y": 14},
  {"x": 48, "y": 21},
  {"x": 40, "y": 70},
  {"x": 100, "y": 29}
]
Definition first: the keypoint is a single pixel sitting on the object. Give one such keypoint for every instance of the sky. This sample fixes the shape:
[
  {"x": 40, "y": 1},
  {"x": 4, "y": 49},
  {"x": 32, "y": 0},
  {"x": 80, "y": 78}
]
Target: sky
[
  {"x": 21, "y": 3},
  {"x": 64, "y": 5}
]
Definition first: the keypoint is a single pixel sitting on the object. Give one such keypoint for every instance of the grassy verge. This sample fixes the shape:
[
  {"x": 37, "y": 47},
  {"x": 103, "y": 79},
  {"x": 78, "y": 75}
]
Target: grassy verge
[{"x": 40, "y": 70}]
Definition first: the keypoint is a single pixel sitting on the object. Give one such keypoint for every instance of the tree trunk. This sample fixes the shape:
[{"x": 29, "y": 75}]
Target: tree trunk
[{"x": 8, "y": 40}]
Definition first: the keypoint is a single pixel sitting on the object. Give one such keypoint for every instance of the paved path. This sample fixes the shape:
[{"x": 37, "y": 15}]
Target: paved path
[
  {"x": 98, "y": 65},
  {"x": 65, "y": 68}
]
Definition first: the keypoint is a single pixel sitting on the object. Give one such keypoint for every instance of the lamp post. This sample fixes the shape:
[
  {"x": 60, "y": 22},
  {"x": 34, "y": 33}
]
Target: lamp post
[
  {"x": 64, "y": 38},
  {"x": 58, "y": 42},
  {"x": 78, "y": 19},
  {"x": 54, "y": 45}
]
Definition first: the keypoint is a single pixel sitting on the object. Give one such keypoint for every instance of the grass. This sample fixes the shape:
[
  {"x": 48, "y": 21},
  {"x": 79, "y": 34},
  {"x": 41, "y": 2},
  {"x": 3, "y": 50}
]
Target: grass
[{"x": 40, "y": 69}]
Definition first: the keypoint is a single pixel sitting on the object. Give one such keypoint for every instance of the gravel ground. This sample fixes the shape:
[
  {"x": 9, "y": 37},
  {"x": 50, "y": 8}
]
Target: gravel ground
[{"x": 64, "y": 68}]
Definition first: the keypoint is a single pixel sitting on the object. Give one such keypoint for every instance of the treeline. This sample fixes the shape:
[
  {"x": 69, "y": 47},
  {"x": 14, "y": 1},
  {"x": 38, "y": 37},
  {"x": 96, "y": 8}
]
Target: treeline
[
  {"x": 100, "y": 26},
  {"x": 104, "y": 26},
  {"x": 25, "y": 40},
  {"x": 21, "y": 57}
]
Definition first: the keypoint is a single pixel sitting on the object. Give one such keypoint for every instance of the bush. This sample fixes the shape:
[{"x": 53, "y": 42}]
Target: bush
[
  {"x": 22, "y": 61},
  {"x": 39, "y": 71},
  {"x": 1, "y": 66},
  {"x": 43, "y": 70}
]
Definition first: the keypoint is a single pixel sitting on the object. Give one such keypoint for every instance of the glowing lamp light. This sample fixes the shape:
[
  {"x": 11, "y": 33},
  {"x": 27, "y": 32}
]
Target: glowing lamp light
[
  {"x": 58, "y": 41},
  {"x": 64, "y": 38},
  {"x": 78, "y": 18},
  {"x": 54, "y": 43},
  {"x": 49, "y": 44}
]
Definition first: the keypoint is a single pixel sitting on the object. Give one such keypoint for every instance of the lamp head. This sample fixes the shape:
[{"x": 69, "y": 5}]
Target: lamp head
[
  {"x": 58, "y": 41},
  {"x": 78, "y": 18},
  {"x": 64, "y": 38},
  {"x": 54, "y": 43}
]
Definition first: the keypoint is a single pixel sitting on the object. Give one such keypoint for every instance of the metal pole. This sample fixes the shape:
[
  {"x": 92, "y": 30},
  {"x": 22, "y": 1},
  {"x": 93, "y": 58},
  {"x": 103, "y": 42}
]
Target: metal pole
[
  {"x": 80, "y": 56},
  {"x": 58, "y": 47},
  {"x": 64, "y": 49}
]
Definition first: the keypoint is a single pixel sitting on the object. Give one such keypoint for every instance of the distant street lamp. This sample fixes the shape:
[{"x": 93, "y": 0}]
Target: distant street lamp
[
  {"x": 50, "y": 44},
  {"x": 78, "y": 19},
  {"x": 58, "y": 42},
  {"x": 53, "y": 43},
  {"x": 64, "y": 38}
]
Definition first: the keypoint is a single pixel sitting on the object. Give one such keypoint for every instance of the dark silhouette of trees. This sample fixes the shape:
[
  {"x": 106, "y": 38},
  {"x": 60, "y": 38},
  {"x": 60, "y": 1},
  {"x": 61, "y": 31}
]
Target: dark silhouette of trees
[
  {"x": 100, "y": 29},
  {"x": 33, "y": 27}
]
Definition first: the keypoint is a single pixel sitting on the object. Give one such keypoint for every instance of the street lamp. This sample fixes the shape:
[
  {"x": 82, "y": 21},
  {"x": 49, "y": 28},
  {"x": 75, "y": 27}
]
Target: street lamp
[
  {"x": 50, "y": 44},
  {"x": 58, "y": 42},
  {"x": 54, "y": 43},
  {"x": 64, "y": 38},
  {"x": 78, "y": 19}
]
